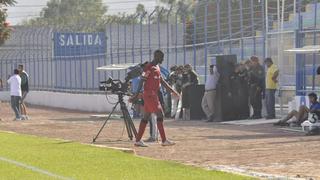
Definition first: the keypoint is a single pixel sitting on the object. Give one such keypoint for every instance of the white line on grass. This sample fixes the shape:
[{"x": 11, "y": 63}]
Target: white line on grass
[{"x": 32, "y": 168}]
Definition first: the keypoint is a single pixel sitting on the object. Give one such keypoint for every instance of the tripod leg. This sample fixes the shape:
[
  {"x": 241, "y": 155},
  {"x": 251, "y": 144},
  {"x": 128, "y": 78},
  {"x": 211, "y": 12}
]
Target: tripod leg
[
  {"x": 126, "y": 117},
  {"x": 131, "y": 124},
  {"x": 105, "y": 122},
  {"x": 131, "y": 129}
]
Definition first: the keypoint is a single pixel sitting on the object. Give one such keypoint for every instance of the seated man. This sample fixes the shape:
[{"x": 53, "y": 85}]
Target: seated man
[{"x": 302, "y": 115}]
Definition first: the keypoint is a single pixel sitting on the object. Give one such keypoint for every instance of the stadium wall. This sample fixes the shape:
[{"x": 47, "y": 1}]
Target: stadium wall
[{"x": 81, "y": 102}]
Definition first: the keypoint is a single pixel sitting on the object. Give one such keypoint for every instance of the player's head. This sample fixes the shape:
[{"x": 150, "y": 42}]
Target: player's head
[
  {"x": 20, "y": 67},
  {"x": 158, "y": 56},
  {"x": 313, "y": 97}
]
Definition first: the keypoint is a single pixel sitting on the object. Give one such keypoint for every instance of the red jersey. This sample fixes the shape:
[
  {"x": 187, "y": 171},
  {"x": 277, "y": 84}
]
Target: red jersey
[{"x": 152, "y": 76}]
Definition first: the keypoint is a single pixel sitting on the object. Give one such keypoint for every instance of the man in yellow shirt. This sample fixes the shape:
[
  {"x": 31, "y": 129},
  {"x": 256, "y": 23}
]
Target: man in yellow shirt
[{"x": 271, "y": 87}]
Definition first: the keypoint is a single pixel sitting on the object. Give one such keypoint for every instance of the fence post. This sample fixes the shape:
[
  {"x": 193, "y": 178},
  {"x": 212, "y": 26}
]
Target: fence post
[
  {"x": 111, "y": 53},
  {"x": 241, "y": 28},
  {"x": 314, "y": 42},
  {"x": 168, "y": 37},
  {"x": 176, "y": 38},
  {"x": 229, "y": 25},
  {"x": 265, "y": 29},
  {"x": 205, "y": 40},
  {"x": 252, "y": 27},
  {"x": 184, "y": 36},
  {"x": 118, "y": 46},
  {"x": 149, "y": 33},
  {"x": 218, "y": 25},
  {"x": 133, "y": 33},
  {"x": 141, "y": 19},
  {"x": 194, "y": 38},
  {"x": 158, "y": 23}
]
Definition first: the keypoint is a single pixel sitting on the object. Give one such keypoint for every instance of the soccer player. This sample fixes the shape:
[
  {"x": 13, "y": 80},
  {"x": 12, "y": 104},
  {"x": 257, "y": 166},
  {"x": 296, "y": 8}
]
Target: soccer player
[{"x": 151, "y": 81}]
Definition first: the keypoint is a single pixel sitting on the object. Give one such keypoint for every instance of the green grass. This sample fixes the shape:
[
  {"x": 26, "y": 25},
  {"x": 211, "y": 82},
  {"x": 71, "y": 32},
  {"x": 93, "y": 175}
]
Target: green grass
[{"x": 78, "y": 161}]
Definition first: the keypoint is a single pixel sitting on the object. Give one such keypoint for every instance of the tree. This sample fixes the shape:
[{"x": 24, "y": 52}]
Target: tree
[
  {"x": 5, "y": 28},
  {"x": 78, "y": 15}
]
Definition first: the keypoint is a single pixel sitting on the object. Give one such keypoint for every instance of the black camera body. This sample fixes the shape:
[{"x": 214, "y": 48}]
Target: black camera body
[
  {"x": 117, "y": 86},
  {"x": 113, "y": 86}
]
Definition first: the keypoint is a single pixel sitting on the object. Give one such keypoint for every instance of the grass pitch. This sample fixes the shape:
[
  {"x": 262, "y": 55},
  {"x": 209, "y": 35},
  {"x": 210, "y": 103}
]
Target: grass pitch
[{"x": 28, "y": 157}]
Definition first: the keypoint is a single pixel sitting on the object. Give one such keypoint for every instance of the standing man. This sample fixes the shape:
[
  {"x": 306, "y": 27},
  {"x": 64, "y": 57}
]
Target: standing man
[
  {"x": 25, "y": 89},
  {"x": 15, "y": 93},
  {"x": 151, "y": 80},
  {"x": 209, "y": 97},
  {"x": 271, "y": 86},
  {"x": 256, "y": 86}
]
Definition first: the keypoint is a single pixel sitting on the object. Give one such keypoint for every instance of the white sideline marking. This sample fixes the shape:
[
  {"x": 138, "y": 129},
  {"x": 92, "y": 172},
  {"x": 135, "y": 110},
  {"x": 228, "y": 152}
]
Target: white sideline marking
[
  {"x": 32, "y": 168},
  {"x": 251, "y": 122}
]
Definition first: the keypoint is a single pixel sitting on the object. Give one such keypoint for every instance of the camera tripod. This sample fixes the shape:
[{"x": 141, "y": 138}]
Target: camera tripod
[{"x": 131, "y": 130}]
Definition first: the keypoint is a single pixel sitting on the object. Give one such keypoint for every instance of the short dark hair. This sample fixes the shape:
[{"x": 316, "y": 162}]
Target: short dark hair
[
  {"x": 268, "y": 60},
  {"x": 159, "y": 53},
  {"x": 20, "y": 65},
  {"x": 212, "y": 66},
  {"x": 173, "y": 68},
  {"x": 313, "y": 95},
  {"x": 16, "y": 71}
]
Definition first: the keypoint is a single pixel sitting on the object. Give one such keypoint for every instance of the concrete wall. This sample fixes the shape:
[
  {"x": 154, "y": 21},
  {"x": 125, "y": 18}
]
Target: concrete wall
[{"x": 83, "y": 102}]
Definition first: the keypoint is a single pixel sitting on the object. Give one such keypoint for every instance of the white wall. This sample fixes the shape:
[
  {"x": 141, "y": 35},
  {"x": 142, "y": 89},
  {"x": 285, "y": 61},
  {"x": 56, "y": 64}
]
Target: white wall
[{"x": 83, "y": 102}]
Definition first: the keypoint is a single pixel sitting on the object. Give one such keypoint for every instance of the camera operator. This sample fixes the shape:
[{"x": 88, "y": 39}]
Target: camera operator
[{"x": 151, "y": 80}]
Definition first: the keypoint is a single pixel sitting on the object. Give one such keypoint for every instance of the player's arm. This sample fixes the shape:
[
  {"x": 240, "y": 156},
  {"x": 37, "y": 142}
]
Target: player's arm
[{"x": 168, "y": 87}]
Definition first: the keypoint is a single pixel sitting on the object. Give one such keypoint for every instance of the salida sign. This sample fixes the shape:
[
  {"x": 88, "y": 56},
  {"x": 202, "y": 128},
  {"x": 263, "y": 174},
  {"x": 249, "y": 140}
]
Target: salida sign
[{"x": 79, "y": 44}]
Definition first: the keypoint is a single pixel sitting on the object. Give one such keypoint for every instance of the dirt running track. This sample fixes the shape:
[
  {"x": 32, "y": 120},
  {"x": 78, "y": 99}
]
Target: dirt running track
[{"x": 260, "y": 148}]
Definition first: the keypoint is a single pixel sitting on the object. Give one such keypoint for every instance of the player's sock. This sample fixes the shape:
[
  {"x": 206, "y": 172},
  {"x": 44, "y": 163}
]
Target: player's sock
[
  {"x": 142, "y": 127},
  {"x": 161, "y": 129}
]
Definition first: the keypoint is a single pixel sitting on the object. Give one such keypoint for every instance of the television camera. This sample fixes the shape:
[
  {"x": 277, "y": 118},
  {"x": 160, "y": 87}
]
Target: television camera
[{"x": 120, "y": 88}]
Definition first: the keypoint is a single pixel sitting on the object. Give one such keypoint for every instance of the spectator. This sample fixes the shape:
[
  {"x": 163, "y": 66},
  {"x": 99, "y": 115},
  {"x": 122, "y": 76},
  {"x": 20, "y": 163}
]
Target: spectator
[
  {"x": 171, "y": 80},
  {"x": 256, "y": 86},
  {"x": 271, "y": 86},
  {"x": 208, "y": 99},
  {"x": 240, "y": 92},
  {"x": 25, "y": 89},
  {"x": 300, "y": 116},
  {"x": 190, "y": 77},
  {"x": 177, "y": 86},
  {"x": 15, "y": 93}
]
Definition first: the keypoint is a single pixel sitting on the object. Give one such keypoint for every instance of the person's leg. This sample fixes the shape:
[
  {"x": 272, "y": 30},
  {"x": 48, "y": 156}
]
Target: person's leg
[
  {"x": 210, "y": 101},
  {"x": 259, "y": 104},
  {"x": 15, "y": 103},
  {"x": 303, "y": 111},
  {"x": 160, "y": 126},
  {"x": 13, "y": 106},
  {"x": 268, "y": 102},
  {"x": 273, "y": 103},
  {"x": 290, "y": 115},
  {"x": 205, "y": 105},
  {"x": 174, "y": 104},
  {"x": 142, "y": 126}
]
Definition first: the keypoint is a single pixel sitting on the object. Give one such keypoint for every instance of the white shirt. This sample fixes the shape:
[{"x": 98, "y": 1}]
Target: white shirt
[
  {"x": 212, "y": 80},
  {"x": 15, "y": 85}
]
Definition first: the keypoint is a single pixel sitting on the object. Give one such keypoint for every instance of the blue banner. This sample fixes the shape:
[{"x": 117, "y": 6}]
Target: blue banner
[{"x": 79, "y": 44}]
